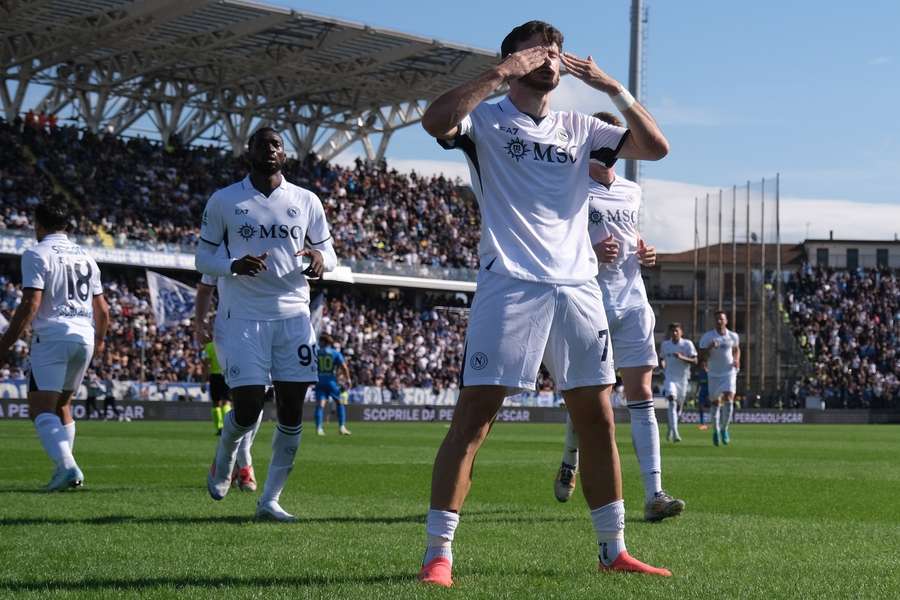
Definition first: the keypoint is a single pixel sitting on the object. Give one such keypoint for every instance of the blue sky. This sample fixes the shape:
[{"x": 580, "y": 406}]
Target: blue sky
[{"x": 742, "y": 90}]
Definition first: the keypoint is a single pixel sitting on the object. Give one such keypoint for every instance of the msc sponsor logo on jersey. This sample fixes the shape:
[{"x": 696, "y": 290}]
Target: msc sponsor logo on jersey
[
  {"x": 619, "y": 215},
  {"x": 519, "y": 149},
  {"x": 274, "y": 231}
]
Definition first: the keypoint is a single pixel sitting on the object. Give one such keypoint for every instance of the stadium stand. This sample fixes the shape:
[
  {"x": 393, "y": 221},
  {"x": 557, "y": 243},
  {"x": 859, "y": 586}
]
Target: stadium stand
[
  {"x": 389, "y": 342},
  {"x": 141, "y": 193},
  {"x": 848, "y": 324}
]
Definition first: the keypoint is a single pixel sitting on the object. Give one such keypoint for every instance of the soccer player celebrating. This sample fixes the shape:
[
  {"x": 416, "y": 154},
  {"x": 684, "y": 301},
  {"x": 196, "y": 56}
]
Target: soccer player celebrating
[
  {"x": 63, "y": 296},
  {"x": 721, "y": 351},
  {"x": 614, "y": 206},
  {"x": 537, "y": 297},
  {"x": 266, "y": 332},
  {"x": 678, "y": 354},
  {"x": 243, "y": 476},
  {"x": 330, "y": 359}
]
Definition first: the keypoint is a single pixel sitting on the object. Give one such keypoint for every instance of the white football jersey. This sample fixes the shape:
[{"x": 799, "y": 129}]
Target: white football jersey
[
  {"x": 247, "y": 222},
  {"x": 530, "y": 177},
  {"x": 676, "y": 369},
  {"x": 721, "y": 359},
  {"x": 614, "y": 210},
  {"x": 69, "y": 278}
]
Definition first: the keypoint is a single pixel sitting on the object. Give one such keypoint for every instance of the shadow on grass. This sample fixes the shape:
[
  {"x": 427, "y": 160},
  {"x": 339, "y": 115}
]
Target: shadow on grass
[
  {"x": 100, "y": 584},
  {"x": 471, "y": 516}
]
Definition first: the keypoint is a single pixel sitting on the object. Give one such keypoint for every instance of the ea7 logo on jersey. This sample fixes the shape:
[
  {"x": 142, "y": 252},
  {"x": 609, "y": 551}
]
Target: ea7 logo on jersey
[{"x": 242, "y": 211}]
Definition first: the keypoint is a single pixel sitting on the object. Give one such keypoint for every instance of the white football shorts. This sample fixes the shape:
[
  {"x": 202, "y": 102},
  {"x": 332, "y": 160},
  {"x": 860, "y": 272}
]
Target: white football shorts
[
  {"x": 514, "y": 325},
  {"x": 676, "y": 390},
  {"x": 632, "y": 337},
  {"x": 58, "y": 366},
  {"x": 719, "y": 384},
  {"x": 259, "y": 352}
]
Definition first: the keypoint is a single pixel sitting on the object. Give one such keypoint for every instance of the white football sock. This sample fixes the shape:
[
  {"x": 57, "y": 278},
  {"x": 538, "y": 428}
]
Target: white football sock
[
  {"x": 673, "y": 416},
  {"x": 570, "y": 451},
  {"x": 609, "y": 523},
  {"x": 716, "y": 416},
  {"x": 645, "y": 438},
  {"x": 440, "y": 526},
  {"x": 727, "y": 411},
  {"x": 285, "y": 444},
  {"x": 244, "y": 459},
  {"x": 228, "y": 444},
  {"x": 70, "y": 434},
  {"x": 54, "y": 440}
]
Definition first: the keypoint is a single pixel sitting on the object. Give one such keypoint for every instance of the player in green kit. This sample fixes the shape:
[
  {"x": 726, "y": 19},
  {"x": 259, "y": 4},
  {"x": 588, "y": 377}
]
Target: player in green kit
[{"x": 218, "y": 389}]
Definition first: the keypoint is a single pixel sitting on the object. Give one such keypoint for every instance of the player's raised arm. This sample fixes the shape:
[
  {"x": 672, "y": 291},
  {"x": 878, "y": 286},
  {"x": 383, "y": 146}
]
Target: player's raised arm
[
  {"x": 646, "y": 141},
  {"x": 443, "y": 116}
]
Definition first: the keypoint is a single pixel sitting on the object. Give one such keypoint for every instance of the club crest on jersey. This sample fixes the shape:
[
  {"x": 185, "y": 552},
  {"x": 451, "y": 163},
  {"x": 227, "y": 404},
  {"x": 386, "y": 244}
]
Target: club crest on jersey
[
  {"x": 247, "y": 231},
  {"x": 292, "y": 213},
  {"x": 517, "y": 149},
  {"x": 479, "y": 361},
  {"x": 562, "y": 135},
  {"x": 234, "y": 370}
]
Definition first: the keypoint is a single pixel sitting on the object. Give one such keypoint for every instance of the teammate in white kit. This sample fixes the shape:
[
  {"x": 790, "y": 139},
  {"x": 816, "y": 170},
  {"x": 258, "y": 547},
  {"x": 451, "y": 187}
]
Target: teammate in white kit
[
  {"x": 63, "y": 297},
  {"x": 537, "y": 297},
  {"x": 243, "y": 475},
  {"x": 614, "y": 209},
  {"x": 677, "y": 355},
  {"x": 266, "y": 332},
  {"x": 722, "y": 351}
]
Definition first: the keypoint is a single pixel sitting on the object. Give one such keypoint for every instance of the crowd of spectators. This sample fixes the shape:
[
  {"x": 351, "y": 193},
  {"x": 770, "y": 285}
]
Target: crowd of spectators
[
  {"x": 389, "y": 342},
  {"x": 848, "y": 325},
  {"x": 141, "y": 192}
]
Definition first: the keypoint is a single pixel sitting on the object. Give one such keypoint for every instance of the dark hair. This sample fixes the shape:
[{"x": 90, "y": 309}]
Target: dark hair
[
  {"x": 51, "y": 215},
  {"x": 608, "y": 117},
  {"x": 549, "y": 33},
  {"x": 676, "y": 325},
  {"x": 720, "y": 312},
  {"x": 326, "y": 340},
  {"x": 261, "y": 130}
]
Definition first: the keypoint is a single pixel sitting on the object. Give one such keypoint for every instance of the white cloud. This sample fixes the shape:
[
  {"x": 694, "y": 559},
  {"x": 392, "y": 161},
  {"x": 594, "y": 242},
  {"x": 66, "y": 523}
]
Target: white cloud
[
  {"x": 881, "y": 60},
  {"x": 669, "y": 216}
]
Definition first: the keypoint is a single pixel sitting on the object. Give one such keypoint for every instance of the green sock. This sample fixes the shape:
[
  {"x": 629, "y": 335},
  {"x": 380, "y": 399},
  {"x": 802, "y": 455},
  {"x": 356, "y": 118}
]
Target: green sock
[{"x": 218, "y": 417}]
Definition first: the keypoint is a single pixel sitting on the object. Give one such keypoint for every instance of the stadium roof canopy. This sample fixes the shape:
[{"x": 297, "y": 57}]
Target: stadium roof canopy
[{"x": 195, "y": 67}]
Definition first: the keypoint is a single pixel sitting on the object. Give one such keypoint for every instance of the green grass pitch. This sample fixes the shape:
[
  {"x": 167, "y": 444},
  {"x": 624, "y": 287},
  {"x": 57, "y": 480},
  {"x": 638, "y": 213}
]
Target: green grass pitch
[{"x": 784, "y": 512}]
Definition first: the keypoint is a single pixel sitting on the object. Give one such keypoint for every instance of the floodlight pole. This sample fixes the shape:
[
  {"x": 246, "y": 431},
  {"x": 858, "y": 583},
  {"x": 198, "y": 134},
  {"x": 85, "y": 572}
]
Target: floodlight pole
[{"x": 632, "y": 167}]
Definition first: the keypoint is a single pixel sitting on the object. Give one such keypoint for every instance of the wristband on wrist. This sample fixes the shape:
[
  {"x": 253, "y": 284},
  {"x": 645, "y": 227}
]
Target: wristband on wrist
[{"x": 623, "y": 100}]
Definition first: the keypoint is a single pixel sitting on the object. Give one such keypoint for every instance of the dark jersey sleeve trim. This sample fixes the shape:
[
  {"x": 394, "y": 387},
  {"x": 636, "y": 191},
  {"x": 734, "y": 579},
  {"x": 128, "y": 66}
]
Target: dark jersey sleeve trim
[
  {"x": 312, "y": 243},
  {"x": 31, "y": 287},
  {"x": 609, "y": 156}
]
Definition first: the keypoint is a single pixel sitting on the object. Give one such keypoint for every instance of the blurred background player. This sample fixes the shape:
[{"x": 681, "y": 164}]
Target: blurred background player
[
  {"x": 722, "y": 351},
  {"x": 327, "y": 388},
  {"x": 243, "y": 475},
  {"x": 266, "y": 332},
  {"x": 63, "y": 296},
  {"x": 702, "y": 394},
  {"x": 677, "y": 354},
  {"x": 537, "y": 297},
  {"x": 614, "y": 208}
]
